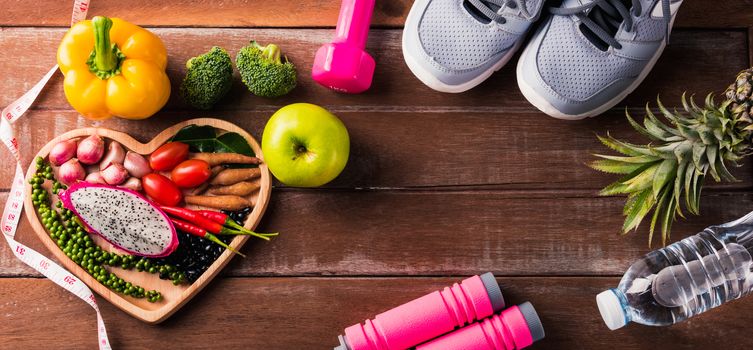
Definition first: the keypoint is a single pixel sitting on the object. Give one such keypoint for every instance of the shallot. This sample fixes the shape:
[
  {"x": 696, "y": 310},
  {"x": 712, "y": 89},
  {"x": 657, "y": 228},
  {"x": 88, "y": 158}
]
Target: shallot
[
  {"x": 90, "y": 149},
  {"x": 133, "y": 184},
  {"x": 62, "y": 152},
  {"x": 71, "y": 172},
  {"x": 115, "y": 154},
  {"x": 115, "y": 174},
  {"x": 95, "y": 178},
  {"x": 136, "y": 164}
]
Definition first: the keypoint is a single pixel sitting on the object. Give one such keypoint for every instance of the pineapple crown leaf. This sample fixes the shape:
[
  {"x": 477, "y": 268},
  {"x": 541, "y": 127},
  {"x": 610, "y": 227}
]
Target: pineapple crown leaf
[
  {"x": 614, "y": 167},
  {"x": 630, "y": 159},
  {"x": 711, "y": 153},
  {"x": 638, "y": 127},
  {"x": 666, "y": 171},
  {"x": 640, "y": 206},
  {"x": 623, "y": 147},
  {"x": 698, "y": 151}
]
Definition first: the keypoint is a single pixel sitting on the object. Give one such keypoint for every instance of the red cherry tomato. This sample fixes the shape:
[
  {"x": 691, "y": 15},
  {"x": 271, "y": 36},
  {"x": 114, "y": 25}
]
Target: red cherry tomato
[
  {"x": 167, "y": 156},
  {"x": 161, "y": 190},
  {"x": 191, "y": 173}
]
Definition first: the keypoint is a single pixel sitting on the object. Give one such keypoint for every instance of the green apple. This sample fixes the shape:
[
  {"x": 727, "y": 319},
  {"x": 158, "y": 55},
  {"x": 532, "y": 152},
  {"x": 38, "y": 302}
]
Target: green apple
[{"x": 305, "y": 145}]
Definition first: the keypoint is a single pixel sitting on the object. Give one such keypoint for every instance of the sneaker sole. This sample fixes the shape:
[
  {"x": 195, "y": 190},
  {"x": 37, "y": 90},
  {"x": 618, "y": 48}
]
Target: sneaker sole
[
  {"x": 543, "y": 105},
  {"x": 431, "y": 81}
]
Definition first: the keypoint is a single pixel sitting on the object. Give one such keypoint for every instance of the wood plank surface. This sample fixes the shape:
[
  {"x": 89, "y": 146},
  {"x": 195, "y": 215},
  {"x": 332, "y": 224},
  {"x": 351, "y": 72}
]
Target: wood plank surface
[
  {"x": 522, "y": 150},
  {"x": 311, "y": 13},
  {"x": 439, "y": 187},
  {"x": 309, "y": 313},
  {"x": 360, "y": 233},
  {"x": 716, "y": 56}
]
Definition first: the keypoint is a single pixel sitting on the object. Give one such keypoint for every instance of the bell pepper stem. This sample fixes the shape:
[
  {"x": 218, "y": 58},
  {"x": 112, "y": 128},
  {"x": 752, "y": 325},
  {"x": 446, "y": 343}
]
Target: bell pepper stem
[{"x": 104, "y": 57}]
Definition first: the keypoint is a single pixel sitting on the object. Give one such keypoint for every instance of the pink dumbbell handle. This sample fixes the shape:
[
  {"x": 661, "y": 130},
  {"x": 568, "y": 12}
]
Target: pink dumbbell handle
[
  {"x": 515, "y": 328},
  {"x": 353, "y": 22}
]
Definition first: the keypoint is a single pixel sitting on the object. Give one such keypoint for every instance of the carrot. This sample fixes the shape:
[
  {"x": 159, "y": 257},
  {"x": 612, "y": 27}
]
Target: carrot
[
  {"x": 196, "y": 190},
  {"x": 234, "y": 176},
  {"x": 224, "y": 158},
  {"x": 243, "y": 188},
  {"x": 220, "y": 202}
]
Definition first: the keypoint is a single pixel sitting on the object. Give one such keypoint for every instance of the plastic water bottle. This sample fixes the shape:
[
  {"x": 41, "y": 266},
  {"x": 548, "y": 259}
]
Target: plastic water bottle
[{"x": 684, "y": 279}]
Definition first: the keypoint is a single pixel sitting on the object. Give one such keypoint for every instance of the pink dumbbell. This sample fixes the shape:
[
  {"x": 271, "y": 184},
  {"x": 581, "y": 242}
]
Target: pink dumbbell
[
  {"x": 343, "y": 65},
  {"x": 427, "y": 317},
  {"x": 513, "y": 329}
]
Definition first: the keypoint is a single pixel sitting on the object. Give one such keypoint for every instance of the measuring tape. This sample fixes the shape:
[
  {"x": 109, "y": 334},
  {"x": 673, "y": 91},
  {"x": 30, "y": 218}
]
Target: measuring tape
[{"x": 14, "y": 205}]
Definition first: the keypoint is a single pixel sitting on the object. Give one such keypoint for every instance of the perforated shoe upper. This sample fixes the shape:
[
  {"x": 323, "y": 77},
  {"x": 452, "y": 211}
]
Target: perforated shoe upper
[
  {"x": 575, "y": 68},
  {"x": 457, "y": 40},
  {"x": 588, "y": 55}
]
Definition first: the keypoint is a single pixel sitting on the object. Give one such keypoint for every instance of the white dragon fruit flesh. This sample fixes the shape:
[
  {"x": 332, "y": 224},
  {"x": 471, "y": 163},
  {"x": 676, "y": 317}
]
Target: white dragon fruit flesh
[{"x": 123, "y": 217}]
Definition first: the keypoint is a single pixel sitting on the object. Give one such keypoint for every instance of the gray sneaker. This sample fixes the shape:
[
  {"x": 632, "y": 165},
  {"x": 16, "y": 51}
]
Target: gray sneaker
[
  {"x": 454, "y": 45},
  {"x": 587, "y": 56}
]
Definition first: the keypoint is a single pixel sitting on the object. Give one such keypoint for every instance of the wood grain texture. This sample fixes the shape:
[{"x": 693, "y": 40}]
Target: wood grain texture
[
  {"x": 311, "y": 13},
  {"x": 360, "y": 233},
  {"x": 522, "y": 150},
  {"x": 309, "y": 313},
  {"x": 695, "y": 61},
  {"x": 174, "y": 297},
  {"x": 438, "y": 185}
]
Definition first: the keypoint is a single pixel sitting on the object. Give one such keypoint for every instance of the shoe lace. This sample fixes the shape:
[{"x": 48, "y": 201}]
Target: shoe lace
[
  {"x": 490, "y": 8},
  {"x": 604, "y": 17}
]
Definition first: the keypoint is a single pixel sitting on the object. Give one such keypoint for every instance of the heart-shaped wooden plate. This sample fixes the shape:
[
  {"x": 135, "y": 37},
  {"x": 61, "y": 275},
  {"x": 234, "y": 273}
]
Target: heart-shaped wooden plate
[{"x": 173, "y": 296}]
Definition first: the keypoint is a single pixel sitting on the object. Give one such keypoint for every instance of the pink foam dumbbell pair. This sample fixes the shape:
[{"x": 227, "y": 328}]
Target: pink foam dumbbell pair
[{"x": 441, "y": 312}]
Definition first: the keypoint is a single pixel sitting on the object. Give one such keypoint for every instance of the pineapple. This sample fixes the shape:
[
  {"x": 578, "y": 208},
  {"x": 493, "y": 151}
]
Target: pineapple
[{"x": 668, "y": 173}]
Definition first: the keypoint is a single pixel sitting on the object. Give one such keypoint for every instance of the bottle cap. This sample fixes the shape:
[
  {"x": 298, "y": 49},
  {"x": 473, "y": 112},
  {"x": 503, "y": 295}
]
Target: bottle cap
[
  {"x": 495, "y": 293},
  {"x": 611, "y": 309},
  {"x": 533, "y": 321},
  {"x": 343, "y": 343}
]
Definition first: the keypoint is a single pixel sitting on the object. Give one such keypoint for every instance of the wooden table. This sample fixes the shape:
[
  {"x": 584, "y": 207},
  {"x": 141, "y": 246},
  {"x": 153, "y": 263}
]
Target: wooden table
[{"x": 438, "y": 187}]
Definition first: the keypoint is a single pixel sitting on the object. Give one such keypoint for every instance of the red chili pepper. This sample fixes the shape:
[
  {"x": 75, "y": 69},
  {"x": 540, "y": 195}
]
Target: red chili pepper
[
  {"x": 210, "y": 223},
  {"x": 198, "y": 231},
  {"x": 220, "y": 218},
  {"x": 194, "y": 218}
]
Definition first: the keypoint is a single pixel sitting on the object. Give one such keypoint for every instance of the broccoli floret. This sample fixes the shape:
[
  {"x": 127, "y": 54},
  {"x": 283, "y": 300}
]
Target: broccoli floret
[
  {"x": 263, "y": 72},
  {"x": 208, "y": 78}
]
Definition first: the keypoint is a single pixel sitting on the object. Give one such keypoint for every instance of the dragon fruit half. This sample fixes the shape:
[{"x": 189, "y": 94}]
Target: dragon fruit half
[{"x": 123, "y": 217}]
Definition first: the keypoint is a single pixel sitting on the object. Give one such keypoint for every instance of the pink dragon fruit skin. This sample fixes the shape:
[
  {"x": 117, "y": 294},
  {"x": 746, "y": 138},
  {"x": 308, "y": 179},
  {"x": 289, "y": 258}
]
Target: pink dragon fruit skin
[{"x": 65, "y": 198}]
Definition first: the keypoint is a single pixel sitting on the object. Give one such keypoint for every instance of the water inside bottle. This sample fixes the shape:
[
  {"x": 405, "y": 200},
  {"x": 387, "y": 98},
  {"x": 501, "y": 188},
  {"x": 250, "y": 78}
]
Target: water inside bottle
[{"x": 691, "y": 276}]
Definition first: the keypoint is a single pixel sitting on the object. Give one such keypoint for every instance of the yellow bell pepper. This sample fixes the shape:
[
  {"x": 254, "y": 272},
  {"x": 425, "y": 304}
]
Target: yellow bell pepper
[{"x": 113, "y": 67}]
